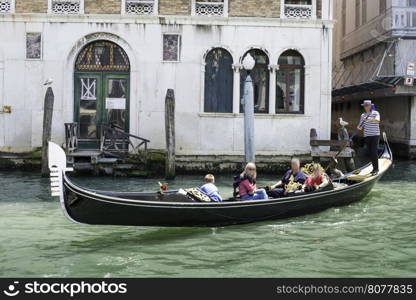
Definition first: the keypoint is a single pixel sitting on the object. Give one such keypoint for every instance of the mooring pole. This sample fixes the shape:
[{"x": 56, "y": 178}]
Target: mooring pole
[
  {"x": 349, "y": 162},
  {"x": 170, "y": 134},
  {"x": 315, "y": 149},
  {"x": 47, "y": 129}
]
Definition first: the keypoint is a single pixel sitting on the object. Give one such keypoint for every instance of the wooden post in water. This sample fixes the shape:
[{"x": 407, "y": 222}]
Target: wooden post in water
[
  {"x": 315, "y": 149},
  {"x": 47, "y": 129},
  {"x": 170, "y": 134},
  {"x": 349, "y": 162}
]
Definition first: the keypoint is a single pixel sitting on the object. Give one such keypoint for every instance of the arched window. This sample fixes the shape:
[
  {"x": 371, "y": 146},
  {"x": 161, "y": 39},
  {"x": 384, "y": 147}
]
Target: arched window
[
  {"x": 260, "y": 76},
  {"x": 218, "y": 81},
  {"x": 290, "y": 83}
]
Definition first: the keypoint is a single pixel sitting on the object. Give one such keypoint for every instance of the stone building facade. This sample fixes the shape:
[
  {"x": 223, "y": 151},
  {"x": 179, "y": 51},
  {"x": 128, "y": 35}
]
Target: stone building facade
[
  {"x": 113, "y": 61},
  {"x": 374, "y": 44}
]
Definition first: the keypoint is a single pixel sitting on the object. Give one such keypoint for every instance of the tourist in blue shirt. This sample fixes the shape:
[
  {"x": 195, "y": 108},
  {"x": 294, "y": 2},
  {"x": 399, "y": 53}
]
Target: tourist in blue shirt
[
  {"x": 210, "y": 189},
  {"x": 295, "y": 173}
]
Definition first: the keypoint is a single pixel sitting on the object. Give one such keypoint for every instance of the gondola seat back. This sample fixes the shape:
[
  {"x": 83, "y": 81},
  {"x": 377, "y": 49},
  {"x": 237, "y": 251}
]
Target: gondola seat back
[
  {"x": 236, "y": 184},
  {"x": 198, "y": 195}
]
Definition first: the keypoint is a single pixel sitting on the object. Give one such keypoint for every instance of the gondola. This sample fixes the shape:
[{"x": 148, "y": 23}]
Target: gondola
[{"x": 176, "y": 208}]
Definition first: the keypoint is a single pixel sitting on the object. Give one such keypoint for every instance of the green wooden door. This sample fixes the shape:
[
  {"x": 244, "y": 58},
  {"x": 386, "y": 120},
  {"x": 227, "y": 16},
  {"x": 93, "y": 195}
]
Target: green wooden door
[
  {"x": 117, "y": 104},
  {"x": 101, "y": 83},
  {"x": 88, "y": 108},
  {"x": 100, "y": 98}
]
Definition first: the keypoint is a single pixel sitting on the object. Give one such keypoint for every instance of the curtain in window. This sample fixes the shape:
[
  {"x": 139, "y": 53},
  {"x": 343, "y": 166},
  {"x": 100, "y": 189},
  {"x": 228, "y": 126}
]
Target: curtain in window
[
  {"x": 218, "y": 81},
  {"x": 260, "y": 76},
  {"x": 290, "y": 82}
]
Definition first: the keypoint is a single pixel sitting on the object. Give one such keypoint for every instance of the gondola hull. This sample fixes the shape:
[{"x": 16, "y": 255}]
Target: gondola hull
[
  {"x": 113, "y": 212},
  {"x": 148, "y": 209}
]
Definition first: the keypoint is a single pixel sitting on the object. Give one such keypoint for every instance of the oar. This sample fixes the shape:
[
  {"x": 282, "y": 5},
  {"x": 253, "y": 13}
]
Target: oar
[{"x": 348, "y": 142}]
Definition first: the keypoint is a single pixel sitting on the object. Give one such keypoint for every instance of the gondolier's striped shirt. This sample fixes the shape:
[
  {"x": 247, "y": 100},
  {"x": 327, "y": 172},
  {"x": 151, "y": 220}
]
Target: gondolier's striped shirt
[{"x": 370, "y": 128}]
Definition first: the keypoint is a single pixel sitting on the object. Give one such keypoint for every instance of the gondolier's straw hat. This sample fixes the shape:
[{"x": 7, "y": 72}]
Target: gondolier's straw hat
[{"x": 367, "y": 102}]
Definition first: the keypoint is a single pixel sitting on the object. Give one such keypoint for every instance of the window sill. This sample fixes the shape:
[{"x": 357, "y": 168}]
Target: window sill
[{"x": 256, "y": 116}]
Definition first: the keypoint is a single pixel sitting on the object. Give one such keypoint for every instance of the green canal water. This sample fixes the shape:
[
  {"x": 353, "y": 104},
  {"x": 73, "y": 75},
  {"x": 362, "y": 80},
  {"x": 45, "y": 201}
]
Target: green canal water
[{"x": 375, "y": 237}]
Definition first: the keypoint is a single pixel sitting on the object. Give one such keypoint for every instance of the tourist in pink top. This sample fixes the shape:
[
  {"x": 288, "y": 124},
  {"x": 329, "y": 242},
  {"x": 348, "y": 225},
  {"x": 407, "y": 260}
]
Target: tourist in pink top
[
  {"x": 247, "y": 187},
  {"x": 315, "y": 181}
]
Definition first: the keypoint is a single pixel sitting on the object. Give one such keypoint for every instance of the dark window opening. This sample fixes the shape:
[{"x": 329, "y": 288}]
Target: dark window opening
[
  {"x": 218, "y": 81},
  {"x": 290, "y": 83},
  {"x": 260, "y": 76}
]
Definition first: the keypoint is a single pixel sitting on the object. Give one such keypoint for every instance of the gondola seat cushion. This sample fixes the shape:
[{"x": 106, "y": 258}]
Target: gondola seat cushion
[{"x": 199, "y": 195}]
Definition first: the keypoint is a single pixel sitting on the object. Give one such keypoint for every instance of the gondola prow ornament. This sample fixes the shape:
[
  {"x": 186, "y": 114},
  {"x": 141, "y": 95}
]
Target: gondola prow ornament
[{"x": 58, "y": 168}]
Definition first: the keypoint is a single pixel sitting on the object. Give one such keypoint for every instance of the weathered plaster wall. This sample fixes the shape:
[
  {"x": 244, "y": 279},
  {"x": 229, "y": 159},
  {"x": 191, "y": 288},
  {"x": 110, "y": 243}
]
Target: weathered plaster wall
[{"x": 197, "y": 133}]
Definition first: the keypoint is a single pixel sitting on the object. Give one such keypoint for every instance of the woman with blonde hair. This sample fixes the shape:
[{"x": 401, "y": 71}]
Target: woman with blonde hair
[
  {"x": 247, "y": 187},
  {"x": 316, "y": 180}
]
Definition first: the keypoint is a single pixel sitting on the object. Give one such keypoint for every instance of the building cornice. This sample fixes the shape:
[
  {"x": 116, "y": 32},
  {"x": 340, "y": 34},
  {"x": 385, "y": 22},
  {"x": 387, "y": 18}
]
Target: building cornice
[{"x": 168, "y": 20}]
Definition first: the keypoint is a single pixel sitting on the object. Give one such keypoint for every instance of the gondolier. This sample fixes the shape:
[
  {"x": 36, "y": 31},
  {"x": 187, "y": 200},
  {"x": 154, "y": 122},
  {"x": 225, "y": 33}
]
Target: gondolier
[{"x": 370, "y": 125}]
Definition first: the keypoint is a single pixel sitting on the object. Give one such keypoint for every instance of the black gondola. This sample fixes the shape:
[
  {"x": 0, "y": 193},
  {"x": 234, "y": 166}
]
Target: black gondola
[{"x": 87, "y": 206}]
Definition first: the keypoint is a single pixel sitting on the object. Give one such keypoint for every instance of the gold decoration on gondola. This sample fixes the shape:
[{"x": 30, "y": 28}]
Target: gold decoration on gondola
[{"x": 292, "y": 186}]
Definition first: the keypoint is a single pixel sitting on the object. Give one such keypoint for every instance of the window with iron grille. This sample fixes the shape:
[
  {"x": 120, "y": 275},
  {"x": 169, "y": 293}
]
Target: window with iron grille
[
  {"x": 171, "y": 47},
  {"x": 298, "y": 9},
  {"x": 216, "y": 8},
  {"x": 140, "y": 7},
  {"x": 66, "y": 7},
  {"x": 33, "y": 45},
  {"x": 6, "y": 6}
]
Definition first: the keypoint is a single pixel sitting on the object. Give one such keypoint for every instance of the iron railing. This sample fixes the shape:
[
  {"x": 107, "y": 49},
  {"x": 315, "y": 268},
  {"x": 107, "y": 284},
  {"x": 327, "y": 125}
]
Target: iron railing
[
  {"x": 120, "y": 144},
  {"x": 114, "y": 142},
  {"x": 71, "y": 137}
]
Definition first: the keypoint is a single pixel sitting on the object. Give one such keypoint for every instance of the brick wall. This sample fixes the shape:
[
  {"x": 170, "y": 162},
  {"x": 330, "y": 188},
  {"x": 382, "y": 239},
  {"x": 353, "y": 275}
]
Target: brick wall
[
  {"x": 254, "y": 8},
  {"x": 175, "y": 7},
  {"x": 31, "y": 6},
  {"x": 102, "y": 6}
]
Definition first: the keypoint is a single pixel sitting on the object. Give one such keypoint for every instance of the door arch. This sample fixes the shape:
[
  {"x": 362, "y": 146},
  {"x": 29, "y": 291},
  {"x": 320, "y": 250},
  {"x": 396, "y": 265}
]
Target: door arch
[{"x": 101, "y": 85}]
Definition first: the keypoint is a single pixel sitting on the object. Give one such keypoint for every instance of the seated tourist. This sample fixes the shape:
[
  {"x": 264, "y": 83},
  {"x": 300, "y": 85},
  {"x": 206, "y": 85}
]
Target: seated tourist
[
  {"x": 316, "y": 181},
  {"x": 210, "y": 189},
  {"x": 293, "y": 176},
  {"x": 247, "y": 187}
]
